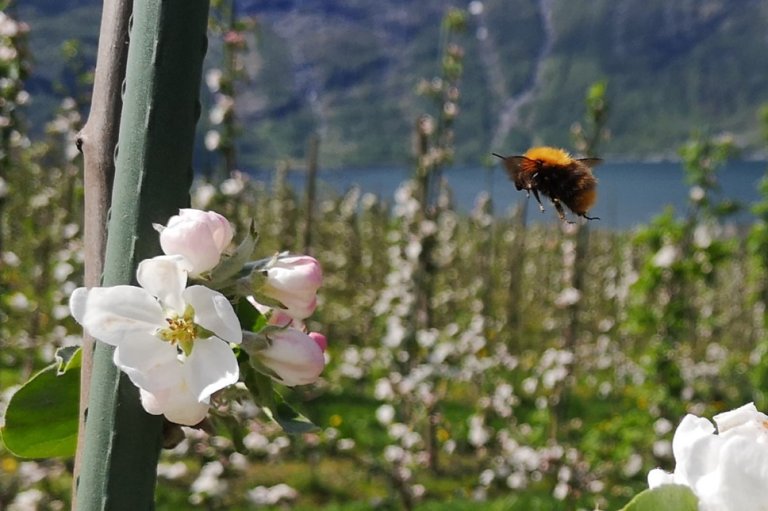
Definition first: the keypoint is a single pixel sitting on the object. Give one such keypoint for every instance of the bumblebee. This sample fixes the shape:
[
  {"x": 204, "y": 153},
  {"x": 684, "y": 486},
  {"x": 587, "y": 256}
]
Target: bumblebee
[{"x": 555, "y": 174}]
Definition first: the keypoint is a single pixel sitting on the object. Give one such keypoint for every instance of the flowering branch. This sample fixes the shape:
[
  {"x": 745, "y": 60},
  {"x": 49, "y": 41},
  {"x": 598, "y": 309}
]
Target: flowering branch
[{"x": 174, "y": 340}]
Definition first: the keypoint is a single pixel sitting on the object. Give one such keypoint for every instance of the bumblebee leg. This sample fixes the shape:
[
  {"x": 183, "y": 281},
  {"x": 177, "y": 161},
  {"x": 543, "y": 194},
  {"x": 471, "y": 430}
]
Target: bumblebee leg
[
  {"x": 560, "y": 212},
  {"x": 536, "y": 194}
]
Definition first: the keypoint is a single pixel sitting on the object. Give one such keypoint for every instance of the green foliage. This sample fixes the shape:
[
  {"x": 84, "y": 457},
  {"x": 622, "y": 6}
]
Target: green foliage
[
  {"x": 76, "y": 78},
  {"x": 42, "y": 416},
  {"x": 664, "y": 498},
  {"x": 757, "y": 247},
  {"x": 687, "y": 259},
  {"x": 587, "y": 137},
  {"x": 763, "y": 117}
]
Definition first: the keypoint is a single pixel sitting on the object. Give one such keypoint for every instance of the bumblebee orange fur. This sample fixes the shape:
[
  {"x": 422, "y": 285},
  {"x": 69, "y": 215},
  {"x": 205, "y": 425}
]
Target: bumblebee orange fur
[
  {"x": 584, "y": 201},
  {"x": 550, "y": 155},
  {"x": 555, "y": 174}
]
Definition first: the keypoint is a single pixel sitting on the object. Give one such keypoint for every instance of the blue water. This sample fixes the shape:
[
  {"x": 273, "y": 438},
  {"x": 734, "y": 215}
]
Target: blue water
[{"x": 629, "y": 194}]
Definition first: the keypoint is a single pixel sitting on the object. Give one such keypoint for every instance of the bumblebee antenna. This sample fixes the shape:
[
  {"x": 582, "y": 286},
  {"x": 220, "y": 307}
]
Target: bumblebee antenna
[{"x": 499, "y": 156}]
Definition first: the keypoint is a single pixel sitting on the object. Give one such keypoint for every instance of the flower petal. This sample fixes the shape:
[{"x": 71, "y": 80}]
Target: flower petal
[
  {"x": 210, "y": 367},
  {"x": 695, "y": 448},
  {"x": 741, "y": 476},
  {"x": 214, "y": 312},
  {"x": 78, "y": 303},
  {"x": 739, "y": 416},
  {"x": 164, "y": 277},
  {"x": 658, "y": 477},
  {"x": 176, "y": 403},
  {"x": 115, "y": 314},
  {"x": 148, "y": 361}
]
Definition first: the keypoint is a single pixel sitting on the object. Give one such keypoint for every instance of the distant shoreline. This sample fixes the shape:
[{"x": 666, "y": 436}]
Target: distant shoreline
[{"x": 298, "y": 166}]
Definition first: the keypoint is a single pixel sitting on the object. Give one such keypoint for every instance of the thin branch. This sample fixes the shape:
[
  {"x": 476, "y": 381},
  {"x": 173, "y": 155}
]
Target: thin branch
[{"x": 97, "y": 142}]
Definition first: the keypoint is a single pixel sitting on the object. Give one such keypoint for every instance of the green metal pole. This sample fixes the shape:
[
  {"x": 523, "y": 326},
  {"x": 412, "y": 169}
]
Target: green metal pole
[{"x": 153, "y": 173}]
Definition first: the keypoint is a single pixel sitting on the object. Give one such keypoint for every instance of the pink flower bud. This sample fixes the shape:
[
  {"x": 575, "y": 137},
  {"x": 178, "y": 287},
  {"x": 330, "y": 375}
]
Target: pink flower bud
[
  {"x": 320, "y": 339},
  {"x": 199, "y": 236},
  {"x": 295, "y": 357},
  {"x": 293, "y": 281}
]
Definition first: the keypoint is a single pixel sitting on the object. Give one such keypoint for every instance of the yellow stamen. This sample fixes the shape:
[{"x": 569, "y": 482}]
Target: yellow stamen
[{"x": 181, "y": 330}]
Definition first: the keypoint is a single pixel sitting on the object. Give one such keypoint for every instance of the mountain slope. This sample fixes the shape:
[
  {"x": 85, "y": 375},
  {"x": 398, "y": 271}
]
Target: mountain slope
[{"x": 348, "y": 69}]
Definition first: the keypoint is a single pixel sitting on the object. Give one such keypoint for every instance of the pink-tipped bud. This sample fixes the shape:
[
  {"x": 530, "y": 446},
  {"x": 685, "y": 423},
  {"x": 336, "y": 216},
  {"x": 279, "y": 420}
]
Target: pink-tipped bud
[
  {"x": 199, "y": 236},
  {"x": 295, "y": 357},
  {"x": 293, "y": 281},
  {"x": 320, "y": 339}
]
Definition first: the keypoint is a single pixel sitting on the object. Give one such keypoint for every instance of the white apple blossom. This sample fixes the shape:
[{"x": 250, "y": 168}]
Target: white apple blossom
[
  {"x": 210, "y": 481},
  {"x": 567, "y": 297},
  {"x": 171, "y": 340},
  {"x": 212, "y": 140},
  {"x": 475, "y": 8},
  {"x": 8, "y": 26},
  {"x": 727, "y": 469},
  {"x": 385, "y": 414},
  {"x": 666, "y": 256},
  {"x": 27, "y": 499},
  {"x": 213, "y": 79},
  {"x": 262, "y": 495},
  {"x": 200, "y": 236},
  {"x": 697, "y": 193}
]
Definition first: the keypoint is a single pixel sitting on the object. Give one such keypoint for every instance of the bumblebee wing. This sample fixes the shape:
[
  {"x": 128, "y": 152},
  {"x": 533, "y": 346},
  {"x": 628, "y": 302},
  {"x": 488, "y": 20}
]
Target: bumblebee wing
[
  {"x": 591, "y": 162},
  {"x": 517, "y": 164}
]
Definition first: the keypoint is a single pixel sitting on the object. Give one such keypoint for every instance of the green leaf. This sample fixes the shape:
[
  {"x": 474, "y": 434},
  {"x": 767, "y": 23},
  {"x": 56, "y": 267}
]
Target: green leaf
[
  {"x": 264, "y": 299},
  {"x": 669, "y": 497},
  {"x": 42, "y": 417},
  {"x": 265, "y": 262},
  {"x": 232, "y": 265},
  {"x": 69, "y": 357},
  {"x": 251, "y": 320},
  {"x": 272, "y": 404},
  {"x": 289, "y": 419}
]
